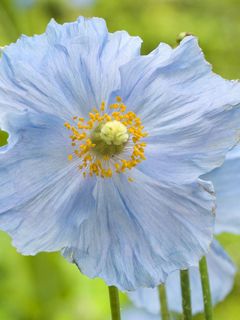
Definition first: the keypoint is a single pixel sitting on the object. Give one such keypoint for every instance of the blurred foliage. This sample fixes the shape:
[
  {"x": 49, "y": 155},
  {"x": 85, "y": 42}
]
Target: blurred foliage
[
  {"x": 3, "y": 138},
  {"x": 215, "y": 22},
  {"x": 46, "y": 287}
]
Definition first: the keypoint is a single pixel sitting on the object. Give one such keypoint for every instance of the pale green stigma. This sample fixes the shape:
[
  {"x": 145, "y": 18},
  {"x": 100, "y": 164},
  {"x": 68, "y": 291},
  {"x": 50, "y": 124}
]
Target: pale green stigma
[{"x": 114, "y": 133}]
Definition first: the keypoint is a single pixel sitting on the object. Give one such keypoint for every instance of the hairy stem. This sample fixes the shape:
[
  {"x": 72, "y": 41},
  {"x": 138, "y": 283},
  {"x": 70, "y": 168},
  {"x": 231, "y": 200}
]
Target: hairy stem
[
  {"x": 163, "y": 302},
  {"x": 114, "y": 303},
  {"x": 186, "y": 295},
  {"x": 207, "y": 299}
]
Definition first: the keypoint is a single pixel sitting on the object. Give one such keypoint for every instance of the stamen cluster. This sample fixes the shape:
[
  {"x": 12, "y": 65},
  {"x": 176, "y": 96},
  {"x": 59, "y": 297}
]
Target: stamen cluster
[{"x": 102, "y": 158}]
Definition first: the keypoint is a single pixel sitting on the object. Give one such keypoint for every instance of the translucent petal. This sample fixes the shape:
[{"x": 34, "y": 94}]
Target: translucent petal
[
  {"x": 143, "y": 230},
  {"x": 226, "y": 180},
  {"x": 43, "y": 197},
  {"x": 190, "y": 113},
  {"x": 66, "y": 71}
]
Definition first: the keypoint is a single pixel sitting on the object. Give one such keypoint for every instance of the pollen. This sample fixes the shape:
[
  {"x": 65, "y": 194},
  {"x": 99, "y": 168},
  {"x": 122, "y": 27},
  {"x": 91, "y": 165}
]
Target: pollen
[
  {"x": 107, "y": 143},
  {"x": 70, "y": 157}
]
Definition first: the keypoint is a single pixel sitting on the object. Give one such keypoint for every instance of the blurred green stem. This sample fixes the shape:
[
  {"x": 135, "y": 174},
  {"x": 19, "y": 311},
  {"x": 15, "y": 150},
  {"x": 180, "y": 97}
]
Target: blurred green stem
[
  {"x": 186, "y": 295},
  {"x": 207, "y": 299},
  {"x": 163, "y": 302},
  {"x": 114, "y": 303}
]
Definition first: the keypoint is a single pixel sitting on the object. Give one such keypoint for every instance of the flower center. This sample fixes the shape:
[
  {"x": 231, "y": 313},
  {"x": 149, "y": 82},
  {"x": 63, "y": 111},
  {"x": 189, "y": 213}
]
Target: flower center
[
  {"x": 114, "y": 132},
  {"x": 109, "y": 138},
  {"x": 107, "y": 143}
]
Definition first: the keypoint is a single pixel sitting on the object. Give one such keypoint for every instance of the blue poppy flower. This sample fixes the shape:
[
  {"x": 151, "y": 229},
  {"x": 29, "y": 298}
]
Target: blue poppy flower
[
  {"x": 221, "y": 274},
  {"x": 106, "y": 148}
]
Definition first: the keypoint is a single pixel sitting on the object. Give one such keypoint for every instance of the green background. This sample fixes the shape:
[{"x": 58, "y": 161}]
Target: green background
[{"x": 46, "y": 287}]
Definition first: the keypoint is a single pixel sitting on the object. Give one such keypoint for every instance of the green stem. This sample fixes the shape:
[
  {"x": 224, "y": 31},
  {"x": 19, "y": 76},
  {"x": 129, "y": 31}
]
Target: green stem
[
  {"x": 186, "y": 295},
  {"x": 114, "y": 303},
  {"x": 163, "y": 302},
  {"x": 207, "y": 299}
]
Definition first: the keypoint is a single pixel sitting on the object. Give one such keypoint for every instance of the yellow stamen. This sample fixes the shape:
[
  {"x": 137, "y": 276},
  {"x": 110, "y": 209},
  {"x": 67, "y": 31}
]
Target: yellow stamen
[
  {"x": 119, "y": 99},
  {"x": 99, "y": 139},
  {"x": 102, "y": 108}
]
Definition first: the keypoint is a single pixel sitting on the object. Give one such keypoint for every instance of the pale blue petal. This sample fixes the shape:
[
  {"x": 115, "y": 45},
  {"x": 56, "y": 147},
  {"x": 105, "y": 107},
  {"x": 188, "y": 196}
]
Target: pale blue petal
[
  {"x": 138, "y": 314},
  {"x": 221, "y": 273},
  {"x": 66, "y": 71},
  {"x": 43, "y": 196},
  {"x": 143, "y": 230},
  {"x": 226, "y": 180},
  {"x": 191, "y": 114}
]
